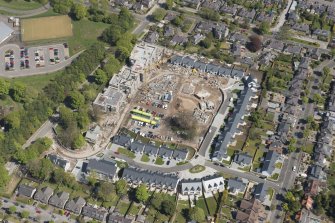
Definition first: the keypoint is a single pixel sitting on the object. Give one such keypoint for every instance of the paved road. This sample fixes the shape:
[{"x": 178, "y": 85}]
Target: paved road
[
  {"x": 26, "y": 13},
  {"x": 40, "y": 133},
  {"x": 215, "y": 126},
  {"x": 282, "y": 19},
  {"x": 43, "y": 216}
]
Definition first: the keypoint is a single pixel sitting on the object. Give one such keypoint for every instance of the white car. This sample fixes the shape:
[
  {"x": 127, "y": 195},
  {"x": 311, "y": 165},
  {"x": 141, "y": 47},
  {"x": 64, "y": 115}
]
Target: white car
[{"x": 294, "y": 168}]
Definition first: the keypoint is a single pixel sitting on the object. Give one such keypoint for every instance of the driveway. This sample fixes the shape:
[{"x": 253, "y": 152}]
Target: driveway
[{"x": 281, "y": 19}]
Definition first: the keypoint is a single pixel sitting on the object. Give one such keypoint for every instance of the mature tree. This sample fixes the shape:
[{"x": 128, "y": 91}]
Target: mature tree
[
  {"x": 317, "y": 98},
  {"x": 105, "y": 192},
  {"x": 17, "y": 91},
  {"x": 79, "y": 10},
  {"x": 100, "y": 77},
  {"x": 121, "y": 187},
  {"x": 12, "y": 209},
  {"x": 264, "y": 27},
  {"x": 326, "y": 71},
  {"x": 78, "y": 141},
  {"x": 291, "y": 146},
  {"x": 24, "y": 214},
  {"x": 284, "y": 33},
  {"x": 158, "y": 14},
  {"x": 92, "y": 178},
  {"x": 254, "y": 44},
  {"x": 256, "y": 118},
  {"x": 62, "y": 6},
  {"x": 210, "y": 14},
  {"x": 122, "y": 53},
  {"x": 76, "y": 100},
  {"x": 13, "y": 120},
  {"x": 4, "y": 87},
  {"x": 142, "y": 193},
  {"x": 169, "y": 4},
  {"x": 40, "y": 169},
  {"x": 83, "y": 119},
  {"x": 206, "y": 43},
  {"x": 4, "y": 177},
  {"x": 168, "y": 207},
  {"x": 112, "y": 65},
  {"x": 197, "y": 214},
  {"x": 178, "y": 20},
  {"x": 126, "y": 19}
]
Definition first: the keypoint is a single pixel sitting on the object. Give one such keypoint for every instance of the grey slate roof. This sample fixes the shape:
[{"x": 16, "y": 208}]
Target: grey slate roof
[
  {"x": 150, "y": 150},
  {"x": 316, "y": 172},
  {"x": 165, "y": 152},
  {"x": 122, "y": 140},
  {"x": 236, "y": 184},
  {"x": 225, "y": 71},
  {"x": 57, "y": 160},
  {"x": 75, "y": 205},
  {"x": 96, "y": 213},
  {"x": 269, "y": 162},
  {"x": 200, "y": 66},
  {"x": 243, "y": 159},
  {"x": 212, "y": 68},
  {"x": 43, "y": 194},
  {"x": 151, "y": 178},
  {"x": 220, "y": 150},
  {"x": 59, "y": 199},
  {"x": 180, "y": 154},
  {"x": 260, "y": 192},
  {"x": 26, "y": 190},
  {"x": 104, "y": 167},
  {"x": 137, "y": 147},
  {"x": 176, "y": 60},
  {"x": 237, "y": 73},
  {"x": 187, "y": 62}
]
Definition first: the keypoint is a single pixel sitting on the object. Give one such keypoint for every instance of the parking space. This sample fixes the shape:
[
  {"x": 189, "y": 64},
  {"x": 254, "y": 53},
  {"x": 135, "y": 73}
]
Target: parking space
[{"x": 15, "y": 58}]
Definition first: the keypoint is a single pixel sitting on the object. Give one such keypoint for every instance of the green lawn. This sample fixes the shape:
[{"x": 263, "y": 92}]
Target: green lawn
[
  {"x": 182, "y": 163},
  {"x": 278, "y": 165},
  {"x": 85, "y": 33},
  {"x": 304, "y": 42},
  {"x": 212, "y": 205},
  {"x": 159, "y": 161},
  {"x": 197, "y": 169},
  {"x": 308, "y": 148},
  {"x": 182, "y": 207},
  {"x": 270, "y": 192},
  {"x": 20, "y": 4},
  {"x": 145, "y": 158},
  {"x": 201, "y": 203},
  {"x": 134, "y": 209},
  {"x": 50, "y": 12},
  {"x": 226, "y": 211},
  {"x": 123, "y": 207},
  {"x": 126, "y": 152},
  {"x": 275, "y": 176}
]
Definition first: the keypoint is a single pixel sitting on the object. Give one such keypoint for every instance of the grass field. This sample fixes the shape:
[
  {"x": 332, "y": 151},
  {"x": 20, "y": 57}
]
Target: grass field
[
  {"x": 52, "y": 27},
  {"x": 20, "y": 4}
]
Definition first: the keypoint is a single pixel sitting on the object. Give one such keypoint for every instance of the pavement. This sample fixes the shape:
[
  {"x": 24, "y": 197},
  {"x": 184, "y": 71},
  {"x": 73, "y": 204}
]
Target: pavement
[
  {"x": 282, "y": 18},
  {"x": 43, "y": 216},
  {"x": 26, "y": 13}
]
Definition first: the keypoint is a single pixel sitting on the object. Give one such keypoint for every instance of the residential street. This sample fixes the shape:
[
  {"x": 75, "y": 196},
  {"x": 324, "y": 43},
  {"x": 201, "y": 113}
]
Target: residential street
[{"x": 282, "y": 19}]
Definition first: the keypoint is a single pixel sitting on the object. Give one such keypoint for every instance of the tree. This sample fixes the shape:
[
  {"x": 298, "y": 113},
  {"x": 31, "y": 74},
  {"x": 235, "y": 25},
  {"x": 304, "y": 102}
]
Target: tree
[
  {"x": 317, "y": 98},
  {"x": 100, "y": 77},
  {"x": 291, "y": 146},
  {"x": 76, "y": 100},
  {"x": 112, "y": 66},
  {"x": 142, "y": 194},
  {"x": 206, "y": 43},
  {"x": 121, "y": 187},
  {"x": 254, "y": 44},
  {"x": 197, "y": 214},
  {"x": 184, "y": 124},
  {"x": 284, "y": 33},
  {"x": 105, "y": 192},
  {"x": 264, "y": 27},
  {"x": 158, "y": 15},
  {"x": 178, "y": 21},
  {"x": 169, "y": 4},
  {"x": 210, "y": 14},
  {"x": 4, "y": 87},
  {"x": 62, "y": 6},
  {"x": 326, "y": 71},
  {"x": 4, "y": 177},
  {"x": 79, "y": 10},
  {"x": 92, "y": 178},
  {"x": 13, "y": 120},
  {"x": 24, "y": 214},
  {"x": 78, "y": 142},
  {"x": 40, "y": 169},
  {"x": 17, "y": 91},
  {"x": 122, "y": 53},
  {"x": 168, "y": 207}
]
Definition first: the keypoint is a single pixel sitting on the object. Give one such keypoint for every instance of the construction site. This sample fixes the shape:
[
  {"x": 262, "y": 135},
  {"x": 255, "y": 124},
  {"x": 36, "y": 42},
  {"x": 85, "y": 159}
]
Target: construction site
[{"x": 168, "y": 92}]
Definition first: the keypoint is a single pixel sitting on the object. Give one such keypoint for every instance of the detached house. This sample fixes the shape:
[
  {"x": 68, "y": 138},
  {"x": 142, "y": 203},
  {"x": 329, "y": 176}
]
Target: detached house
[
  {"x": 122, "y": 140},
  {"x": 251, "y": 212},
  {"x": 243, "y": 159},
  {"x": 269, "y": 163},
  {"x": 58, "y": 200},
  {"x": 42, "y": 195},
  {"x": 26, "y": 190},
  {"x": 236, "y": 186},
  {"x": 105, "y": 169}
]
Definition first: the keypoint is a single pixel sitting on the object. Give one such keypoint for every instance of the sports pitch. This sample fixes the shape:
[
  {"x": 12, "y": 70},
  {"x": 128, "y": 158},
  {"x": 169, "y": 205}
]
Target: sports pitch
[{"x": 46, "y": 28}]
